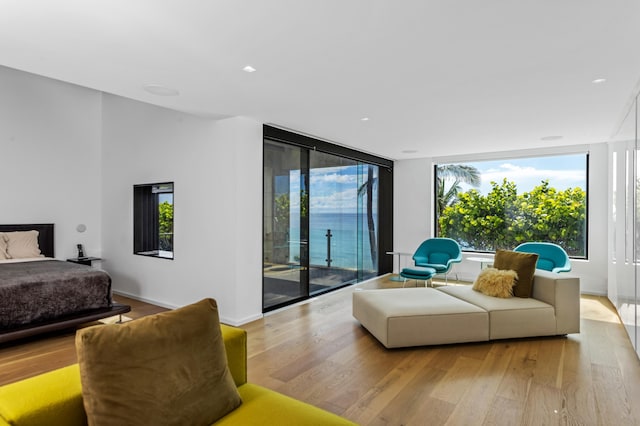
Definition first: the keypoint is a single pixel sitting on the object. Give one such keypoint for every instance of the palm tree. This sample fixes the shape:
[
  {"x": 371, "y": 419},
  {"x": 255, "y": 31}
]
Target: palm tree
[
  {"x": 460, "y": 173},
  {"x": 367, "y": 188}
]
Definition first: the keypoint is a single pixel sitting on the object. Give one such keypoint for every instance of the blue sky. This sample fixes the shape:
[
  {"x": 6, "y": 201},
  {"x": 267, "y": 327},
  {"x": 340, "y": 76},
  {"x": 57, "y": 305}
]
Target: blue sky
[
  {"x": 165, "y": 197},
  {"x": 565, "y": 171}
]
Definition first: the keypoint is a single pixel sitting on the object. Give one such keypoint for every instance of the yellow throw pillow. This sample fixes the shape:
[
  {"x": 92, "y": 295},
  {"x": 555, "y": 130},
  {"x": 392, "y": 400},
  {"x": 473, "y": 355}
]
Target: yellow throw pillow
[
  {"x": 525, "y": 266},
  {"x": 496, "y": 283},
  {"x": 169, "y": 369}
]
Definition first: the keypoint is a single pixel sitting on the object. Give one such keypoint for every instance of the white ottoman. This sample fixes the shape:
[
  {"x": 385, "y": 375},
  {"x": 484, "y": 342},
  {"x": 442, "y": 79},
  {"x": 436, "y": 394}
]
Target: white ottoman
[{"x": 400, "y": 317}]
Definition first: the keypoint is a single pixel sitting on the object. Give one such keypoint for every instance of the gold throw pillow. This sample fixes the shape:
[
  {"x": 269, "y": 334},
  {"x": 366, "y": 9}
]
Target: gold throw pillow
[
  {"x": 525, "y": 266},
  {"x": 164, "y": 369}
]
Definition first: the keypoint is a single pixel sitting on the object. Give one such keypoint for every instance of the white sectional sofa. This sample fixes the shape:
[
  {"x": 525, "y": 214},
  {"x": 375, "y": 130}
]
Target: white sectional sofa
[{"x": 401, "y": 317}]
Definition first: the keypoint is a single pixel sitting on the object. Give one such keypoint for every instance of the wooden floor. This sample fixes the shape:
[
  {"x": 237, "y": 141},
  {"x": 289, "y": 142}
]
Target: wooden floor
[
  {"x": 32, "y": 356},
  {"x": 318, "y": 352}
]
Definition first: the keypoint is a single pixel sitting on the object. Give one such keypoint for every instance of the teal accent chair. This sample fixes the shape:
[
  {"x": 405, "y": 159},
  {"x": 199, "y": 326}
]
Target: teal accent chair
[
  {"x": 551, "y": 257},
  {"x": 439, "y": 254}
]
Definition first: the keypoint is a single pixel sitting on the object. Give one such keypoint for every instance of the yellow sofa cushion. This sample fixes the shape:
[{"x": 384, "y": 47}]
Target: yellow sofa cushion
[
  {"x": 53, "y": 399},
  {"x": 169, "y": 368},
  {"x": 263, "y": 407}
]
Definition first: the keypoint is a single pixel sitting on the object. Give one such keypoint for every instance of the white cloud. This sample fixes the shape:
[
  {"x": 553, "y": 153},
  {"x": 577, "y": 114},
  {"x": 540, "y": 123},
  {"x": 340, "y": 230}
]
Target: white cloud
[
  {"x": 317, "y": 178},
  {"x": 336, "y": 201},
  {"x": 516, "y": 173}
]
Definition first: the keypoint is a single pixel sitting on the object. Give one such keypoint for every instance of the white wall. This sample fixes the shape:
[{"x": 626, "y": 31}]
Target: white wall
[
  {"x": 216, "y": 167},
  {"x": 50, "y": 158},
  {"x": 245, "y": 136},
  {"x": 413, "y": 211},
  {"x": 412, "y": 208}
]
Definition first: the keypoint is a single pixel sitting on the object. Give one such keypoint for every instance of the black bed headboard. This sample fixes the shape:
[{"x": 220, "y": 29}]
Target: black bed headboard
[{"x": 45, "y": 238}]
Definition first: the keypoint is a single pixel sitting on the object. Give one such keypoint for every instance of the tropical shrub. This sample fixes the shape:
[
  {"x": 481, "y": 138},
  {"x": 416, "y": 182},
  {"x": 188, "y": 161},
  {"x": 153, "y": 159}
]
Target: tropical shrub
[
  {"x": 503, "y": 219},
  {"x": 165, "y": 225}
]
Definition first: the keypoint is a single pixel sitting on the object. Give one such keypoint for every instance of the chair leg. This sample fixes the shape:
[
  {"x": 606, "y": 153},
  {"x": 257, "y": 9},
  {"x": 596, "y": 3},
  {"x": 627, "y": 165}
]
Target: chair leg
[{"x": 428, "y": 282}]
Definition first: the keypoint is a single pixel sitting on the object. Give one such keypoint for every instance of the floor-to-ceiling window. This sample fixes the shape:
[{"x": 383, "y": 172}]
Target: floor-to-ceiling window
[{"x": 325, "y": 225}]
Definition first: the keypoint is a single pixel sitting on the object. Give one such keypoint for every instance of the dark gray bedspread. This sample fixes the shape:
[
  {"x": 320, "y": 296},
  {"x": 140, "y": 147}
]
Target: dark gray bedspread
[{"x": 45, "y": 290}]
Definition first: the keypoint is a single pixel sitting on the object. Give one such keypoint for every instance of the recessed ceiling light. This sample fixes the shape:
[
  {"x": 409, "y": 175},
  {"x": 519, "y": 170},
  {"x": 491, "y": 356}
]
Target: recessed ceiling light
[
  {"x": 159, "y": 90},
  {"x": 364, "y": 119},
  {"x": 551, "y": 138},
  {"x": 249, "y": 68},
  {"x": 409, "y": 151},
  {"x": 599, "y": 80}
]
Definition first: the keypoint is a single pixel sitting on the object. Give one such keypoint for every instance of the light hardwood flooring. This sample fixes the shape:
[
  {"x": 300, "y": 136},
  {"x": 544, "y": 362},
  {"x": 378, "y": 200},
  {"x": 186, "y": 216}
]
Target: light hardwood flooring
[
  {"x": 317, "y": 352},
  {"x": 38, "y": 354}
]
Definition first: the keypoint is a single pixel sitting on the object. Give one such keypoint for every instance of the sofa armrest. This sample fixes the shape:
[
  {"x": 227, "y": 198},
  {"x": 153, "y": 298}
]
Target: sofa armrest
[
  {"x": 235, "y": 342},
  {"x": 53, "y": 398},
  {"x": 562, "y": 291}
]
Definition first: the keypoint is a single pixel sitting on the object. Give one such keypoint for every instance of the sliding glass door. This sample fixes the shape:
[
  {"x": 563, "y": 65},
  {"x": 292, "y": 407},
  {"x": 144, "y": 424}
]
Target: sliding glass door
[
  {"x": 286, "y": 225},
  {"x": 320, "y": 229}
]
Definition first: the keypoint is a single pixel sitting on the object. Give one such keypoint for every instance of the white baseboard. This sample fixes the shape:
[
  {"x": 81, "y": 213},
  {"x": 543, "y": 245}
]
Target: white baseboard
[
  {"x": 225, "y": 320},
  {"x": 144, "y": 299},
  {"x": 237, "y": 323}
]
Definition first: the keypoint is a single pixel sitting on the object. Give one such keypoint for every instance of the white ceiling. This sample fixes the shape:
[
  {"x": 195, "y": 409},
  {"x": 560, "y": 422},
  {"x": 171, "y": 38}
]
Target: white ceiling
[{"x": 438, "y": 77}]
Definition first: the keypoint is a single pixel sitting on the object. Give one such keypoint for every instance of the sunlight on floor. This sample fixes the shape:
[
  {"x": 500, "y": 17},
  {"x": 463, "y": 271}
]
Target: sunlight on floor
[{"x": 597, "y": 308}]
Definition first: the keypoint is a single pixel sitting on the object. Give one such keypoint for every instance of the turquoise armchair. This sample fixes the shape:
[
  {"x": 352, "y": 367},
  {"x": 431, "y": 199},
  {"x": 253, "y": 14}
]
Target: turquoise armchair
[
  {"x": 551, "y": 257},
  {"x": 439, "y": 254}
]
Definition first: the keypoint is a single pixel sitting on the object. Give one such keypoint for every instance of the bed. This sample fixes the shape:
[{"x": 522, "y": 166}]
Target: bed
[{"x": 39, "y": 294}]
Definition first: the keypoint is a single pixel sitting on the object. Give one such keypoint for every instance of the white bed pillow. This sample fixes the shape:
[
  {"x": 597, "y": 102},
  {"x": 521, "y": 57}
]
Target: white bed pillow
[
  {"x": 3, "y": 247},
  {"x": 22, "y": 244}
]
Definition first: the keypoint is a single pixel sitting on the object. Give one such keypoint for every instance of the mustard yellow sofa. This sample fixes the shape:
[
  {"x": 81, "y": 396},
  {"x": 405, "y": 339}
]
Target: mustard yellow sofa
[{"x": 55, "y": 398}]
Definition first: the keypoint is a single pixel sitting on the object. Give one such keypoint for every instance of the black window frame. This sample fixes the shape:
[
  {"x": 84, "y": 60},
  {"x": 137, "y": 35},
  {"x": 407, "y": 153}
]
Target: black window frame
[{"x": 146, "y": 224}]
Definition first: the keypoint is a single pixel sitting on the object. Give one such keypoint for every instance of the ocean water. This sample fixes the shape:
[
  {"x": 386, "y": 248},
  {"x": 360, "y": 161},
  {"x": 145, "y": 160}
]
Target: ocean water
[{"x": 347, "y": 230}]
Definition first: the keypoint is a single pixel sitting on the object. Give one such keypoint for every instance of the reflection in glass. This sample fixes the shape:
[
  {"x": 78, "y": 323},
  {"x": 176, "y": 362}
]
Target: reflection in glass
[
  {"x": 342, "y": 231},
  {"x": 284, "y": 228},
  {"x": 623, "y": 267},
  {"x": 320, "y": 223}
]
